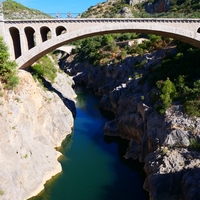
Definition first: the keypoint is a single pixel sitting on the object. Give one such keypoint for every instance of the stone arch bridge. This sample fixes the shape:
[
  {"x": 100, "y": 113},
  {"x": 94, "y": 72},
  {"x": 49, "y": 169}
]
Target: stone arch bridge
[{"x": 28, "y": 40}]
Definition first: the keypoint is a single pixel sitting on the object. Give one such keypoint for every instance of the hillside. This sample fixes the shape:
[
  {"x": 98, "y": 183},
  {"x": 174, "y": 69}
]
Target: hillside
[
  {"x": 146, "y": 8},
  {"x": 109, "y": 10},
  {"x": 14, "y": 10},
  {"x": 170, "y": 9}
]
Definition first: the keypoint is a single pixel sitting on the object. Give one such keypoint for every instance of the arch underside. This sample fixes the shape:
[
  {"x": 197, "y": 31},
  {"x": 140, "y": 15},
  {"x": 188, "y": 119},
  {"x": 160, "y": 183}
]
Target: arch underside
[{"x": 37, "y": 52}]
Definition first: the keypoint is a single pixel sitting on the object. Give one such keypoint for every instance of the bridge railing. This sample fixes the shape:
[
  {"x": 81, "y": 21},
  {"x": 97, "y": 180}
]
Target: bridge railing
[{"x": 64, "y": 15}]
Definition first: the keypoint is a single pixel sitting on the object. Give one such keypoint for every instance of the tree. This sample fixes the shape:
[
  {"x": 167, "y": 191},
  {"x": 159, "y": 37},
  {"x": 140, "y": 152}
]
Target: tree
[
  {"x": 168, "y": 91},
  {"x": 107, "y": 39},
  {"x": 8, "y": 68}
]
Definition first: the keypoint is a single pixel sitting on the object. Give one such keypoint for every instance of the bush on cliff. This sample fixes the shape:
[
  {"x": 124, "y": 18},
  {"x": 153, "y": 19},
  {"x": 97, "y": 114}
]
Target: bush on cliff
[
  {"x": 8, "y": 68},
  {"x": 44, "y": 69},
  {"x": 168, "y": 92},
  {"x": 183, "y": 71},
  {"x": 99, "y": 50},
  {"x": 194, "y": 144}
]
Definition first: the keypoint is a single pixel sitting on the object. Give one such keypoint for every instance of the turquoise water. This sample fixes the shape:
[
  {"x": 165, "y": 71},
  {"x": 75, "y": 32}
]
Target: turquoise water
[{"x": 93, "y": 167}]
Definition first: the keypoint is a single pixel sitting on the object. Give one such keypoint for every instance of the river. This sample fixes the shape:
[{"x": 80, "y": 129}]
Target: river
[{"x": 93, "y": 166}]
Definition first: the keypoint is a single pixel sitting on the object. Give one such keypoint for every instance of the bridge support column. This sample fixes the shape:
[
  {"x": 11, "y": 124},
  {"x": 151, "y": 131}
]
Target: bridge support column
[
  {"x": 23, "y": 43},
  {"x": 38, "y": 39},
  {"x": 53, "y": 34}
]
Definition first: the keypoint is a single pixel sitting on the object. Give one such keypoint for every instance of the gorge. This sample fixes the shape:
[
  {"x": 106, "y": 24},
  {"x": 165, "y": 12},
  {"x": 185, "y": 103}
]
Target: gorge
[
  {"x": 153, "y": 90},
  {"x": 93, "y": 166}
]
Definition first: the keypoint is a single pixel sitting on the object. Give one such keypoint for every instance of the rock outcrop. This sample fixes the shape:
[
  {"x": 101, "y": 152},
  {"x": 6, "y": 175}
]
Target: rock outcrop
[
  {"x": 33, "y": 122},
  {"x": 134, "y": 2},
  {"x": 172, "y": 174}
]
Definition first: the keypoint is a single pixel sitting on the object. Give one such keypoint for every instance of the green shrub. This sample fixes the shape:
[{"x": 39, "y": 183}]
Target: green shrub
[
  {"x": 8, "y": 69},
  {"x": 44, "y": 68},
  {"x": 194, "y": 144},
  {"x": 38, "y": 69},
  {"x": 168, "y": 91},
  {"x": 192, "y": 108},
  {"x": 12, "y": 81},
  {"x": 1, "y": 192}
]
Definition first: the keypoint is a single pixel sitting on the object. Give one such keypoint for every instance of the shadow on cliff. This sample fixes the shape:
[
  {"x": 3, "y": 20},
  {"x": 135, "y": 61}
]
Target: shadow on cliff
[
  {"x": 181, "y": 185},
  {"x": 68, "y": 103}
]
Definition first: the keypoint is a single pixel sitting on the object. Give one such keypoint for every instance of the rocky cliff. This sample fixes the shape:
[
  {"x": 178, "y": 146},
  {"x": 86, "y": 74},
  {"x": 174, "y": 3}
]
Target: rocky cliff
[
  {"x": 33, "y": 122},
  {"x": 161, "y": 141}
]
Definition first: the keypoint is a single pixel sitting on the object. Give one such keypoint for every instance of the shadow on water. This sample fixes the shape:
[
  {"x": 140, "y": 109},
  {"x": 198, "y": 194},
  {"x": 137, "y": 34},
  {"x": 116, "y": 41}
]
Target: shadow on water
[{"x": 128, "y": 185}]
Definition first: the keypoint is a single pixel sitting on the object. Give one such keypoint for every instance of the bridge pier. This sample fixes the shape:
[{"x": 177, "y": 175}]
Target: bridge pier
[
  {"x": 38, "y": 39},
  {"x": 23, "y": 43}
]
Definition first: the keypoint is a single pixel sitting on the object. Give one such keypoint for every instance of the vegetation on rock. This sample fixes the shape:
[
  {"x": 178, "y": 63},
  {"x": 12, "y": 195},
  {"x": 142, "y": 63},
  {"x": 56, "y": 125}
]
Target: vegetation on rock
[
  {"x": 113, "y": 48},
  {"x": 178, "y": 9},
  {"x": 194, "y": 144},
  {"x": 184, "y": 71},
  {"x": 107, "y": 10},
  {"x": 44, "y": 69}
]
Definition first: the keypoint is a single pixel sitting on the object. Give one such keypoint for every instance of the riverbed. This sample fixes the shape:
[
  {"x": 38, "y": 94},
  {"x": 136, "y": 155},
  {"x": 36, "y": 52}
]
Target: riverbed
[{"x": 93, "y": 166}]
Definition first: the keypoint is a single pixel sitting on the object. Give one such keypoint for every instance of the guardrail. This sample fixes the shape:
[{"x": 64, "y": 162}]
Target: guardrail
[{"x": 64, "y": 15}]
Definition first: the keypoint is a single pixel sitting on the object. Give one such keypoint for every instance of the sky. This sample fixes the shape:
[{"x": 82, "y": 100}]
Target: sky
[{"x": 61, "y": 6}]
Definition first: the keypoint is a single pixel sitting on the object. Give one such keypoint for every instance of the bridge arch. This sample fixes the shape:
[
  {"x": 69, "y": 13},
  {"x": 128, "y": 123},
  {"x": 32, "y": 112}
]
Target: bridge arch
[
  {"x": 184, "y": 35},
  {"x": 15, "y": 40},
  {"x": 46, "y": 33},
  {"x": 30, "y": 37},
  {"x": 60, "y": 30}
]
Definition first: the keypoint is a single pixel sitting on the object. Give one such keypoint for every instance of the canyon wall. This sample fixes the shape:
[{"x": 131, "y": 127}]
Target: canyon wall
[{"x": 33, "y": 122}]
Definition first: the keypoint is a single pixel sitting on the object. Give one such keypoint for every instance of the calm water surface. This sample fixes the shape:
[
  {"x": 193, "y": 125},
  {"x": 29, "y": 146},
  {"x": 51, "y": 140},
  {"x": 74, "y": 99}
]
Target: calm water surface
[{"x": 93, "y": 164}]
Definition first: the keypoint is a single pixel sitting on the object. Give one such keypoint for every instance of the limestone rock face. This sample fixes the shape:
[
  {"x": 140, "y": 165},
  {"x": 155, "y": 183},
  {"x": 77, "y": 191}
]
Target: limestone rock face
[
  {"x": 172, "y": 174},
  {"x": 126, "y": 12},
  {"x": 134, "y": 2},
  {"x": 128, "y": 127},
  {"x": 33, "y": 122}
]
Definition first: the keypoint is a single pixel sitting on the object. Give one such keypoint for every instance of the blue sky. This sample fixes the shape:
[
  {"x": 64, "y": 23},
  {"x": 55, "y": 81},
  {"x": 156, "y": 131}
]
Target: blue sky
[{"x": 61, "y": 6}]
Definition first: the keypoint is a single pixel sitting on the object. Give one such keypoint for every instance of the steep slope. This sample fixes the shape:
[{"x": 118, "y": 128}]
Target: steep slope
[
  {"x": 33, "y": 122},
  {"x": 14, "y": 10}
]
